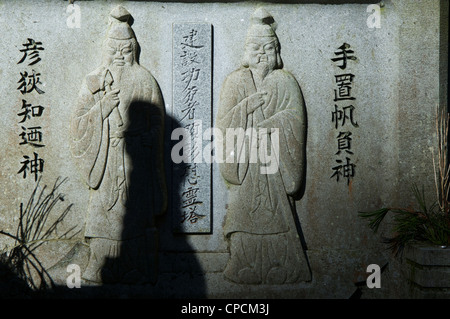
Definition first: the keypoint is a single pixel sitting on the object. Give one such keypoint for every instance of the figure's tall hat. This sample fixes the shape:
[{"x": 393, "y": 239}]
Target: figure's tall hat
[
  {"x": 262, "y": 24},
  {"x": 119, "y": 27}
]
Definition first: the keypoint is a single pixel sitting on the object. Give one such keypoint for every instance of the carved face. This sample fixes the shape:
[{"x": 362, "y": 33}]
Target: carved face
[
  {"x": 261, "y": 52},
  {"x": 119, "y": 52}
]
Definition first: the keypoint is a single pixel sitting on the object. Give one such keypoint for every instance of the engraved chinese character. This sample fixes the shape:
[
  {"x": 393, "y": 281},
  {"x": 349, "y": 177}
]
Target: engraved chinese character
[
  {"x": 341, "y": 116},
  {"x": 34, "y": 166},
  {"x": 30, "y": 111},
  {"x": 344, "y": 142},
  {"x": 344, "y": 54},
  {"x": 190, "y": 93},
  {"x": 28, "y": 82},
  {"x": 344, "y": 82},
  {"x": 31, "y": 136},
  {"x": 189, "y": 110},
  {"x": 189, "y": 76},
  {"x": 190, "y": 40},
  {"x": 345, "y": 170},
  {"x": 190, "y": 47},
  {"x": 31, "y": 51},
  {"x": 190, "y": 197},
  {"x": 192, "y": 216}
]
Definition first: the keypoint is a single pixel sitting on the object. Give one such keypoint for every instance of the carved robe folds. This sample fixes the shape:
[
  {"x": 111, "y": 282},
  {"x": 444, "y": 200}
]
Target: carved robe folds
[
  {"x": 125, "y": 173},
  {"x": 117, "y": 138},
  {"x": 264, "y": 242}
]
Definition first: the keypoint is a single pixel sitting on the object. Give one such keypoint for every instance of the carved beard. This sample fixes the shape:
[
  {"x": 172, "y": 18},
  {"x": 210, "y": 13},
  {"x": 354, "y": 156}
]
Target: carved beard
[
  {"x": 117, "y": 72},
  {"x": 262, "y": 65},
  {"x": 120, "y": 72},
  {"x": 261, "y": 68}
]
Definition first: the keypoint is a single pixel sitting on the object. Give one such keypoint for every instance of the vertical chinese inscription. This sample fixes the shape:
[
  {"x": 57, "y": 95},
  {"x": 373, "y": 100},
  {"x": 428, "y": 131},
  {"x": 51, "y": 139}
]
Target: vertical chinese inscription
[
  {"x": 192, "y": 78},
  {"x": 30, "y": 87},
  {"x": 342, "y": 115}
]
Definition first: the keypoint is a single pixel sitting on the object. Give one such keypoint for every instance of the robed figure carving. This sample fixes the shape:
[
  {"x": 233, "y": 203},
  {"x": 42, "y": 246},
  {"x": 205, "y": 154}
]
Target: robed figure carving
[
  {"x": 264, "y": 243},
  {"x": 117, "y": 138}
]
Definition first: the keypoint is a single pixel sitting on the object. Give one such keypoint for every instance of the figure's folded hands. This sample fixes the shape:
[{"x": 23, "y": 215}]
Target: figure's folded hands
[
  {"x": 255, "y": 100},
  {"x": 110, "y": 101}
]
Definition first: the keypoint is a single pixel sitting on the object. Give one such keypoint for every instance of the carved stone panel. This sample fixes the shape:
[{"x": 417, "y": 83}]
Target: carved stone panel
[
  {"x": 275, "y": 205},
  {"x": 262, "y": 105},
  {"x": 117, "y": 130}
]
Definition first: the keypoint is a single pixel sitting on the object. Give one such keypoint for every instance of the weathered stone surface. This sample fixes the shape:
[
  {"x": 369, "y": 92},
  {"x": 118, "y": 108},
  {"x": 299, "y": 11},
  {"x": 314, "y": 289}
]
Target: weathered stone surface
[{"x": 77, "y": 255}]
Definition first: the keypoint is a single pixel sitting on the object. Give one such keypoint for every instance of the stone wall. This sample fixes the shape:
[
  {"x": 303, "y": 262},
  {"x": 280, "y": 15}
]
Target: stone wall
[{"x": 397, "y": 82}]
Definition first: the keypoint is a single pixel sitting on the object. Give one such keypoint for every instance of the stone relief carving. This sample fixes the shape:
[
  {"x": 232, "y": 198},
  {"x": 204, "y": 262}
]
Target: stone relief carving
[
  {"x": 117, "y": 139},
  {"x": 264, "y": 243}
]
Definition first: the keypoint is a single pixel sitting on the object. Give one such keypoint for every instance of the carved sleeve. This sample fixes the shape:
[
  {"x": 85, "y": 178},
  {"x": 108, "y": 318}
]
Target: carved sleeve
[
  {"x": 290, "y": 119},
  {"x": 88, "y": 142},
  {"x": 232, "y": 115}
]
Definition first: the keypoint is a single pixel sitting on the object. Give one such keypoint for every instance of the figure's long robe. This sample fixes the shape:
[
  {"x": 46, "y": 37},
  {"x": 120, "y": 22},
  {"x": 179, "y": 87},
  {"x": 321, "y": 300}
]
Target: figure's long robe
[
  {"x": 125, "y": 176},
  {"x": 260, "y": 205}
]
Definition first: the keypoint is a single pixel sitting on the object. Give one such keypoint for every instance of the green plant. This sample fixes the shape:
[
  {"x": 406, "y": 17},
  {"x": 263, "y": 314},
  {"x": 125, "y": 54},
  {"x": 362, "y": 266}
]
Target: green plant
[
  {"x": 32, "y": 231},
  {"x": 429, "y": 223}
]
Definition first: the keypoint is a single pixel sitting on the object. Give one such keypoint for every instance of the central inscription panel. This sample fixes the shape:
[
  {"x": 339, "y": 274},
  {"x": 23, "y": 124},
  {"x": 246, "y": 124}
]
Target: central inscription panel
[{"x": 192, "y": 112}]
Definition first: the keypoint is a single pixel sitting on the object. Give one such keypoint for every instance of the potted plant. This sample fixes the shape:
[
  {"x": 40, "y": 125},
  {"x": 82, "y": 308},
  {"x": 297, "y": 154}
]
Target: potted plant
[{"x": 423, "y": 233}]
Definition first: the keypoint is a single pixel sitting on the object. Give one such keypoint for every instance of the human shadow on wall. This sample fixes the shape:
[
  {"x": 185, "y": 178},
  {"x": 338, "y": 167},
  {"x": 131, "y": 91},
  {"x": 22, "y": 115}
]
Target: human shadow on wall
[
  {"x": 143, "y": 261},
  {"x": 145, "y": 189},
  {"x": 140, "y": 268},
  {"x": 184, "y": 263},
  {"x": 139, "y": 184}
]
